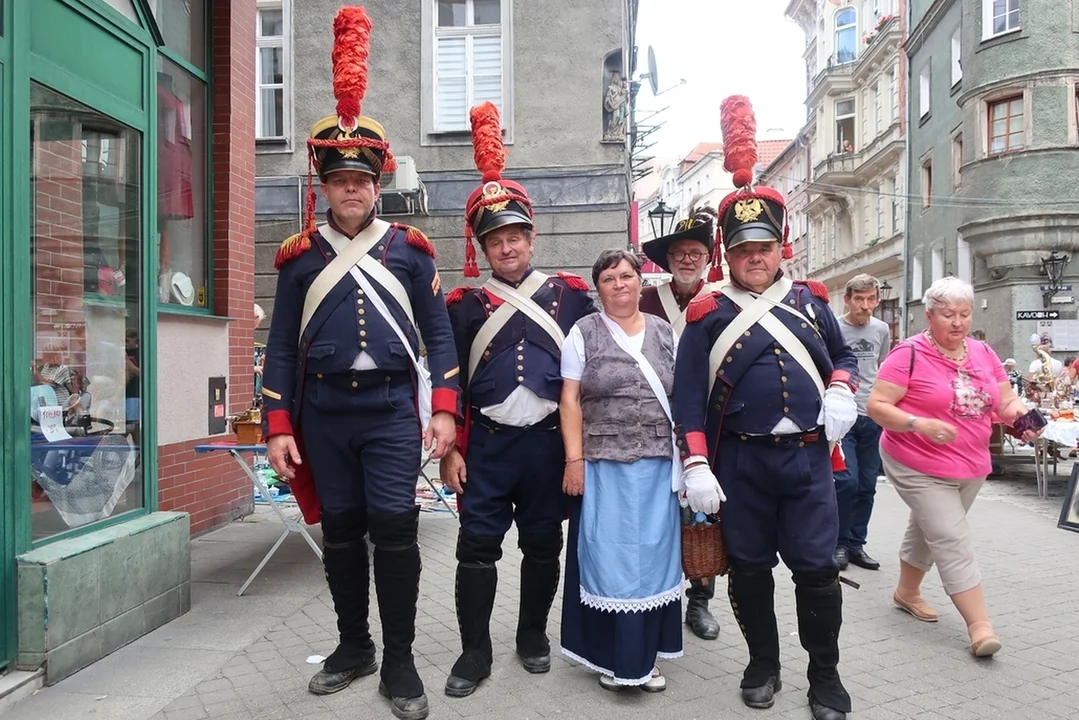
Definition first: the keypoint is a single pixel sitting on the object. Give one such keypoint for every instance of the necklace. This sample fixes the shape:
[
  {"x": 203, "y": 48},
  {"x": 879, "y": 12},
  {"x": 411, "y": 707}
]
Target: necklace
[{"x": 943, "y": 353}]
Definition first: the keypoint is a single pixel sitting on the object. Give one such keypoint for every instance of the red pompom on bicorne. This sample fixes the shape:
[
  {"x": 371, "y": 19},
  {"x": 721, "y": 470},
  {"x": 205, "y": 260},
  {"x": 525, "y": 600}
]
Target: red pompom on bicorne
[
  {"x": 457, "y": 295},
  {"x": 573, "y": 282},
  {"x": 700, "y": 306},
  {"x": 739, "y": 126},
  {"x": 818, "y": 289},
  {"x": 351, "y": 46}
]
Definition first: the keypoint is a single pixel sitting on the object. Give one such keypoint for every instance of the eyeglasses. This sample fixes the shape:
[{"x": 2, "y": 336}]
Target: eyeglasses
[{"x": 693, "y": 255}]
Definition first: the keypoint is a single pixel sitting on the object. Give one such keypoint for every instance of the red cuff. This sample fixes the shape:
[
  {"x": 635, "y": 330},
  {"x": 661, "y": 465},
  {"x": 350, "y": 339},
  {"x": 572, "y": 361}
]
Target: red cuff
[
  {"x": 696, "y": 443},
  {"x": 842, "y": 376},
  {"x": 278, "y": 422},
  {"x": 444, "y": 400}
]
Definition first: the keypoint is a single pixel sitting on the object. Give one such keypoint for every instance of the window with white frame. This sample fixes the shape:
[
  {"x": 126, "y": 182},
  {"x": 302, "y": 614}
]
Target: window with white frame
[
  {"x": 924, "y": 94},
  {"x": 916, "y": 277},
  {"x": 880, "y": 211},
  {"x": 957, "y": 56},
  {"x": 893, "y": 93},
  {"x": 999, "y": 17},
  {"x": 844, "y": 126},
  {"x": 271, "y": 58},
  {"x": 964, "y": 261},
  {"x": 937, "y": 265},
  {"x": 468, "y": 60},
  {"x": 846, "y": 36},
  {"x": 877, "y": 127}
]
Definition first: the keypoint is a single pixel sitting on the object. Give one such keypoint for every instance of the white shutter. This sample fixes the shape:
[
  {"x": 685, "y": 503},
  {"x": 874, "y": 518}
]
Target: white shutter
[
  {"x": 451, "y": 100},
  {"x": 487, "y": 70}
]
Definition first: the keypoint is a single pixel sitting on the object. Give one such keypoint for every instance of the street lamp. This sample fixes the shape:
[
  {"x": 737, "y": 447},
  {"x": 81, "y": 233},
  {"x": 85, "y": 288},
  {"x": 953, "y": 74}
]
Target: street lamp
[
  {"x": 660, "y": 217},
  {"x": 885, "y": 290},
  {"x": 1053, "y": 267}
]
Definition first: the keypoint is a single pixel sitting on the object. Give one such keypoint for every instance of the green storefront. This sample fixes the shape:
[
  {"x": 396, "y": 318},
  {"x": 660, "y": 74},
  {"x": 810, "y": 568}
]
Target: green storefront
[{"x": 92, "y": 190}]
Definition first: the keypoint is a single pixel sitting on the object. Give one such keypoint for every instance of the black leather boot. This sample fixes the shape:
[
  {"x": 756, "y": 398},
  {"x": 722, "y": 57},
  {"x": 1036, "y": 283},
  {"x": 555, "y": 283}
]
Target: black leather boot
[
  {"x": 397, "y": 584},
  {"x": 540, "y": 571},
  {"x": 752, "y": 594},
  {"x": 475, "y": 596},
  {"x": 698, "y": 618},
  {"x": 347, "y": 574},
  {"x": 820, "y": 616}
]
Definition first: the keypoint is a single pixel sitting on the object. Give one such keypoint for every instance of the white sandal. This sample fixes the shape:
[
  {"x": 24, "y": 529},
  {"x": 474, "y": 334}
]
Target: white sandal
[
  {"x": 656, "y": 683},
  {"x": 607, "y": 683}
]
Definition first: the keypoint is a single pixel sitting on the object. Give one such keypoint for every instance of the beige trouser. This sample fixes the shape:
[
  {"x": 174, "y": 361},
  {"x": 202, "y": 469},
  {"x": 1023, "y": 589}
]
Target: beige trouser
[{"x": 938, "y": 530}]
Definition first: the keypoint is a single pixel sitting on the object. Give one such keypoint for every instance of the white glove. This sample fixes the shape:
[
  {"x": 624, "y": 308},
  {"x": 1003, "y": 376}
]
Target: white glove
[
  {"x": 840, "y": 412},
  {"x": 702, "y": 489}
]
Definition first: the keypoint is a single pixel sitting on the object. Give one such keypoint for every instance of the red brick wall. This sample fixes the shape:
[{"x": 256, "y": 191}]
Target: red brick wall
[
  {"x": 211, "y": 487},
  {"x": 60, "y": 326}
]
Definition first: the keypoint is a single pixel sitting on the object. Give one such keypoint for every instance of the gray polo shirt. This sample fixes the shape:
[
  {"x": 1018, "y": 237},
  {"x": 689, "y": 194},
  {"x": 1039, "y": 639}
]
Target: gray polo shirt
[{"x": 871, "y": 343}]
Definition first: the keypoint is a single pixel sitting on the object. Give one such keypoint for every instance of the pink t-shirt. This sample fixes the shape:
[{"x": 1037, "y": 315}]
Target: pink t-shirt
[{"x": 963, "y": 395}]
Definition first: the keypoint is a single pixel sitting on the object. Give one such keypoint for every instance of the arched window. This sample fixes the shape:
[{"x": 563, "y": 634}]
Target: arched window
[{"x": 846, "y": 36}]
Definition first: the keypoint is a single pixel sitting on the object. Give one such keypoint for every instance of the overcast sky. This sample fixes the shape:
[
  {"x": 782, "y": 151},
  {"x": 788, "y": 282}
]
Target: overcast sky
[{"x": 720, "y": 48}]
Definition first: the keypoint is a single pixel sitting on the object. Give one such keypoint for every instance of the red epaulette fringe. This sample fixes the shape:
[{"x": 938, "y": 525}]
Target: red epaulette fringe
[
  {"x": 701, "y": 306},
  {"x": 573, "y": 282},
  {"x": 457, "y": 295},
  {"x": 818, "y": 288},
  {"x": 291, "y": 248},
  {"x": 416, "y": 238}
]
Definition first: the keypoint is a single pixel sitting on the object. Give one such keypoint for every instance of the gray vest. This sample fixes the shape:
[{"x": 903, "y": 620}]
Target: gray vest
[{"x": 623, "y": 420}]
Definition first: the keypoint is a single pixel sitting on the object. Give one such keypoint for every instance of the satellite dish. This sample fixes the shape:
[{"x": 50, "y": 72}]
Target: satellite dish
[{"x": 653, "y": 73}]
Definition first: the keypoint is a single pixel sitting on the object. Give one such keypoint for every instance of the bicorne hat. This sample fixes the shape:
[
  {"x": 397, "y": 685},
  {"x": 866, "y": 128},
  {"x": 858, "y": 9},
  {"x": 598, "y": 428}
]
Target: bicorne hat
[{"x": 699, "y": 226}]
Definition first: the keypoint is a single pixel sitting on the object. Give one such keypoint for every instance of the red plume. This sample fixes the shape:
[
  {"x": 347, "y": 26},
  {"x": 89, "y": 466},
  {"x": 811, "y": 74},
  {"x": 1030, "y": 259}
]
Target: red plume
[
  {"x": 487, "y": 141},
  {"x": 351, "y": 46},
  {"x": 739, "y": 138}
]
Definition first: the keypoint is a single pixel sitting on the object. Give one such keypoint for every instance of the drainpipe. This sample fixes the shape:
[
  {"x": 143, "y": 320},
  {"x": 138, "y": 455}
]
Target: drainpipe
[{"x": 904, "y": 61}]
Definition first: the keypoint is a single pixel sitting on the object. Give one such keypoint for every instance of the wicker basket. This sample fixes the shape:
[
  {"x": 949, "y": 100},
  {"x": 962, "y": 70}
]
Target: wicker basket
[{"x": 703, "y": 554}]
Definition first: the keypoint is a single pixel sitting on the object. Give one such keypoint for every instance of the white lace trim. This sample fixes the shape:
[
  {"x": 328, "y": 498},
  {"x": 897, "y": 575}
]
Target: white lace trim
[
  {"x": 633, "y": 605},
  {"x": 669, "y": 656},
  {"x": 604, "y": 671}
]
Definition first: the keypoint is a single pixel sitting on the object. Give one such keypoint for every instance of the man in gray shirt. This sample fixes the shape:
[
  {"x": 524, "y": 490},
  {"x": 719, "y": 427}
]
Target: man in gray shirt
[{"x": 855, "y": 487}]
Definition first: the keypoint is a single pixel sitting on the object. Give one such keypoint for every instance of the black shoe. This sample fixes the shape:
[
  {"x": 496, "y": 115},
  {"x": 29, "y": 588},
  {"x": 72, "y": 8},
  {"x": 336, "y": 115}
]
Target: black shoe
[
  {"x": 459, "y": 687},
  {"x": 841, "y": 557},
  {"x": 326, "y": 682},
  {"x": 405, "y": 708},
  {"x": 700, "y": 621},
  {"x": 823, "y": 712},
  {"x": 762, "y": 697},
  {"x": 859, "y": 557},
  {"x": 536, "y": 664}
]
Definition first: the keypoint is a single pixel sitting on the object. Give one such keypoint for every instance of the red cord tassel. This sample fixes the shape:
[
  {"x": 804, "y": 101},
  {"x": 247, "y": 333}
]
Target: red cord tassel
[
  {"x": 838, "y": 462},
  {"x": 472, "y": 268},
  {"x": 715, "y": 273}
]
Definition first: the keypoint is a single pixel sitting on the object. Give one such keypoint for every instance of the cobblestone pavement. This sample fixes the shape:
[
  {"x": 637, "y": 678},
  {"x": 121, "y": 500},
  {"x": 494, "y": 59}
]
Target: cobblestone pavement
[{"x": 237, "y": 658}]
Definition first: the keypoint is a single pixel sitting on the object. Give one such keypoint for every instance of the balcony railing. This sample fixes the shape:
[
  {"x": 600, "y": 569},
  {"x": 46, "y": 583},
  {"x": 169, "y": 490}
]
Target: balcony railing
[
  {"x": 834, "y": 67},
  {"x": 838, "y": 163}
]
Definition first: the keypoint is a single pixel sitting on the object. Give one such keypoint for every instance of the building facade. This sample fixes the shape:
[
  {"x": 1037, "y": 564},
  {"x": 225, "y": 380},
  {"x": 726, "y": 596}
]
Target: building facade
[
  {"x": 856, "y": 132},
  {"x": 565, "y": 117},
  {"x": 788, "y": 173},
  {"x": 993, "y": 161},
  {"x": 125, "y": 243}
]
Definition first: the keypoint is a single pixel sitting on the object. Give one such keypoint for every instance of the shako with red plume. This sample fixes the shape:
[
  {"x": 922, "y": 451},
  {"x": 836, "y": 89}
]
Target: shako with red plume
[
  {"x": 497, "y": 201},
  {"x": 752, "y": 212}
]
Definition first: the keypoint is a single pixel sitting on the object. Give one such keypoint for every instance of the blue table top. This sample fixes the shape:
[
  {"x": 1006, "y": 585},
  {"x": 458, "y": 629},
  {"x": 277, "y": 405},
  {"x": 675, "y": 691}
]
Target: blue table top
[{"x": 216, "y": 447}]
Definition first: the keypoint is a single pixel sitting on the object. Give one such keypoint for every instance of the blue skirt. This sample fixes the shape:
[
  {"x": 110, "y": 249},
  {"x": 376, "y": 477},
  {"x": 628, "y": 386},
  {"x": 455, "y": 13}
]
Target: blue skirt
[{"x": 622, "y": 600}]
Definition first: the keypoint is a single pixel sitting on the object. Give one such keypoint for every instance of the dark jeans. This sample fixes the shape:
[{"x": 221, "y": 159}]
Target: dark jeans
[{"x": 856, "y": 486}]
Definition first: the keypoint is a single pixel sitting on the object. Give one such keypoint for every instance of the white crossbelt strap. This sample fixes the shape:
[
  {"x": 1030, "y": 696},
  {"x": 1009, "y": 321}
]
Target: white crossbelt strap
[
  {"x": 676, "y": 317},
  {"x": 524, "y": 303},
  {"x": 337, "y": 268},
  {"x": 743, "y": 321},
  {"x": 622, "y": 340},
  {"x": 782, "y": 334},
  {"x": 502, "y": 315},
  {"x": 423, "y": 377}
]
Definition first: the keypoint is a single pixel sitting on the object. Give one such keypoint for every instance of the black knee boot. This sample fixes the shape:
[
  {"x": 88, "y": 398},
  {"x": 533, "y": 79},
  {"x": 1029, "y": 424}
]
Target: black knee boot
[
  {"x": 346, "y": 565},
  {"x": 820, "y": 615},
  {"x": 397, "y": 585},
  {"x": 540, "y": 571},
  {"x": 477, "y": 581},
  {"x": 752, "y": 594}
]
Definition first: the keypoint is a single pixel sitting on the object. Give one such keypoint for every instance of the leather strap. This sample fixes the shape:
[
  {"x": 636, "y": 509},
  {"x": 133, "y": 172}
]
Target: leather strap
[
  {"x": 498, "y": 319},
  {"x": 339, "y": 266},
  {"x": 751, "y": 312}
]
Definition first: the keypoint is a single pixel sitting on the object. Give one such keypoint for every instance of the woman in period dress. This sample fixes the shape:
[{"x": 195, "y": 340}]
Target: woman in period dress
[{"x": 622, "y": 602}]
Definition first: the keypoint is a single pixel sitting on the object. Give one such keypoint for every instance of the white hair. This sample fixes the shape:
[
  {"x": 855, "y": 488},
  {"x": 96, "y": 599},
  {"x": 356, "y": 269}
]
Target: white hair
[{"x": 947, "y": 291}]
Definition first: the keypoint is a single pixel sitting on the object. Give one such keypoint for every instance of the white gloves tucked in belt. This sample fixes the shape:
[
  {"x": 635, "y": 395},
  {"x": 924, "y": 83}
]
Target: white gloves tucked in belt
[
  {"x": 702, "y": 489},
  {"x": 840, "y": 412}
]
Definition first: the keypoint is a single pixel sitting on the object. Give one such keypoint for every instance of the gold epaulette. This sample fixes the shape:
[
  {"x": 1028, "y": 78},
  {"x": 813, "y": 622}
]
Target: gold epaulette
[{"x": 291, "y": 248}]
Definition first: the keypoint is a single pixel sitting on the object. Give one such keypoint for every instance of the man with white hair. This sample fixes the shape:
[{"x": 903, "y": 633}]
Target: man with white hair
[{"x": 685, "y": 254}]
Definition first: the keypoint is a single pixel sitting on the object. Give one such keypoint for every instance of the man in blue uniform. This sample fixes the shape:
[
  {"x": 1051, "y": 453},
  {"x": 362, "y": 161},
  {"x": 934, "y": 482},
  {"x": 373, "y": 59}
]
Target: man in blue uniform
[
  {"x": 509, "y": 460},
  {"x": 685, "y": 254},
  {"x": 347, "y": 405},
  {"x": 764, "y": 384}
]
